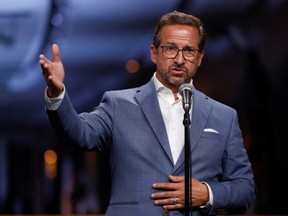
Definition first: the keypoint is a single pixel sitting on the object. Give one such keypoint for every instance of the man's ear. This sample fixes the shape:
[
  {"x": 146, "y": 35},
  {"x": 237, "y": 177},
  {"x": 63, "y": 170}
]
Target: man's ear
[
  {"x": 200, "y": 57},
  {"x": 153, "y": 53}
]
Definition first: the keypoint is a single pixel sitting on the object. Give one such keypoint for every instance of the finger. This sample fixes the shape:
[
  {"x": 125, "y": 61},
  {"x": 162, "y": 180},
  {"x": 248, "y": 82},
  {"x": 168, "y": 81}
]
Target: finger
[
  {"x": 56, "y": 52},
  {"x": 172, "y": 207},
  {"x": 169, "y": 203},
  {"x": 43, "y": 60},
  {"x": 162, "y": 195},
  {"x": 164, "y": 186},
  {"x": 176, "y": 179},
  {"x": 45, "y": 68}
]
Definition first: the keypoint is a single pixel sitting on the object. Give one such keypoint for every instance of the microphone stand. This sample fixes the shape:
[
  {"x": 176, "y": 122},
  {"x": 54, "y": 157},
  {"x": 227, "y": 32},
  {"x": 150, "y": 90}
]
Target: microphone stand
[{"x": 186, "y": 123}]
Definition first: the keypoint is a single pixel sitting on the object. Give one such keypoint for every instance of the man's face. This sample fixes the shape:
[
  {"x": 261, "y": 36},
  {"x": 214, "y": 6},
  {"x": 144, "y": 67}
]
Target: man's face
[{"x": 173, "y": 72}]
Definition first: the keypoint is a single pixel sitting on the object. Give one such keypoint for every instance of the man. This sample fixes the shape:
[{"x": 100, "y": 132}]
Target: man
[{"x": 142, "y": 129}]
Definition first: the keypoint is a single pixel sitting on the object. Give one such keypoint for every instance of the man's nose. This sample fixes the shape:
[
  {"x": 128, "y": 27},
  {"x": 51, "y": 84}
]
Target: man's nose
[{"x": 179, "y": 58}]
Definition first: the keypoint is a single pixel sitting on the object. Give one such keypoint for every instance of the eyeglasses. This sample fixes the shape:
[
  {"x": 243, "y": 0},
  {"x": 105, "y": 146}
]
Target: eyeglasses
[{"x": 171, "y": 52}]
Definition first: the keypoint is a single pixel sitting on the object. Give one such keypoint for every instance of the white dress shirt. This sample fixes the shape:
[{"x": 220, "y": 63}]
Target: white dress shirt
[{"x": 173, "y": 114}]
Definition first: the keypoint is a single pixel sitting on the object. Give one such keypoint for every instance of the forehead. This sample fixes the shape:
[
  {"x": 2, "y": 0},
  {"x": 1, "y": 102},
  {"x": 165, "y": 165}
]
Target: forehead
[{"x": 180, "y": 35}]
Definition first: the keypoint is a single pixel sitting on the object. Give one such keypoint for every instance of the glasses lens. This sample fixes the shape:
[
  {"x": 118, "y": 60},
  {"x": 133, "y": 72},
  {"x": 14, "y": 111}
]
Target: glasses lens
[
  {"x": 169, "y": 52},
  {"x": 190, "y": 54},
  {"x": 172, "y": 52}
]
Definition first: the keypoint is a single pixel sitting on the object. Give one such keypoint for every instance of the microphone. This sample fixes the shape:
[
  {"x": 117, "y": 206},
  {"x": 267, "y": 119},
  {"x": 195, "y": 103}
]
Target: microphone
[{"x": 185, "y": 91}]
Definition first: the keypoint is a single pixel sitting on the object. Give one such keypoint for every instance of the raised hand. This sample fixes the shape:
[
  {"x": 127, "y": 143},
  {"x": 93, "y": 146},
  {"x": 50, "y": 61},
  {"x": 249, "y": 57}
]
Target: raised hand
[{"x": 53, "y": 72}]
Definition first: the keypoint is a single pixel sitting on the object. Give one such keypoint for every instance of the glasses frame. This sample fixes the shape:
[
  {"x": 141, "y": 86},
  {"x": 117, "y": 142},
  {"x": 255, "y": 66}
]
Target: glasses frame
[{"x": 164, "y": 52}]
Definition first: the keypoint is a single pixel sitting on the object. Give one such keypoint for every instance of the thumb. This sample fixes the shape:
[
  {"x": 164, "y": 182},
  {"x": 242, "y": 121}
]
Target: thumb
[
  {"x": 56, "y": 53},
  {"x": 176, "y": 178}
]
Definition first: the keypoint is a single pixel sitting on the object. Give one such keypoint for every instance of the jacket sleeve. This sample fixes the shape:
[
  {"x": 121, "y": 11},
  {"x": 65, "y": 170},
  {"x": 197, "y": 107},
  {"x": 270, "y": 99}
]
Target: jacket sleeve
[{"x": 236, "y": 189}]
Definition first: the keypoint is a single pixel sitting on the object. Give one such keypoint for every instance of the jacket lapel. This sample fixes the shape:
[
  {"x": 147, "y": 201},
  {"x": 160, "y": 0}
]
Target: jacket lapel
[{"x": 147, "y": 98}]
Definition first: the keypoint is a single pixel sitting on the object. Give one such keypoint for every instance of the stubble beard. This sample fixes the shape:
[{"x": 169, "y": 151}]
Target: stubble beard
[
  {"x": 176, "y": 80},
  {"x": 173, "y": 80}
]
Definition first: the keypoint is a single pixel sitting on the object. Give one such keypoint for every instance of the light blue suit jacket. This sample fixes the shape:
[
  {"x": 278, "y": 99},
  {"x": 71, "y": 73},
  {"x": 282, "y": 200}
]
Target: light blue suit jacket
[{"x": 129, "y": 124}]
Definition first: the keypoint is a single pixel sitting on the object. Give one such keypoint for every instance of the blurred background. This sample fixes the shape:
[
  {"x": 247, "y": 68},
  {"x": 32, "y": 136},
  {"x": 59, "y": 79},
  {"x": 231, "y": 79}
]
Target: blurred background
[{"x": 104, "y": 46}]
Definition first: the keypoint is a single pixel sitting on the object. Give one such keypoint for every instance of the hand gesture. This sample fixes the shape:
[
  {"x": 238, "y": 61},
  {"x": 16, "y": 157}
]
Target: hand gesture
[
  {"x": 172, "y": 194},
  {"x": 53, "y": 72}
]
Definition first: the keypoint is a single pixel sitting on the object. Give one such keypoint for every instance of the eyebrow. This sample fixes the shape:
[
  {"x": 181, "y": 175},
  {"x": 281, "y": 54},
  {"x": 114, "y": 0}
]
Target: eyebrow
[{"x": 173, "y": 44}]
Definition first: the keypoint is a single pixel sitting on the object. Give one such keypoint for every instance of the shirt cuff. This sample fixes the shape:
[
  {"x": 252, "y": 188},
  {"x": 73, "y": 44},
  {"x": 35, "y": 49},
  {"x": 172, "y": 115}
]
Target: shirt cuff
[
  {"x": 210, "y": 201},
  {"x": 54, "y": 103}
]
